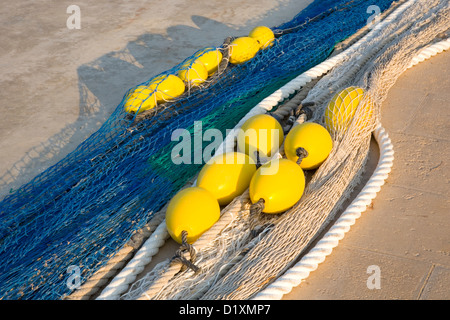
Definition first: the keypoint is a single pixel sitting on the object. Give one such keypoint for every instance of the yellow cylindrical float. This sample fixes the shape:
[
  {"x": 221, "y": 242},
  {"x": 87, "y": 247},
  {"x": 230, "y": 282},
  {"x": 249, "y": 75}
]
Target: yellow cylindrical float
[
  {"x": 263, "y": 35},
  {"x": 193, "y": 72},
  {"x": 243, "y": 49},
  {"x": 227, "y": 176},
  {"x": 140, "y": 99},
  {"x": 260, "y": 133},
  {"x": 279, "y": 183},
  {"x": 210, "y": 57},
  {"x": 193, "y": 210},
  {"x": 167, "y": 87},
  {"x": 342, "y": 107},
  {"x": 312, "y": 137}
]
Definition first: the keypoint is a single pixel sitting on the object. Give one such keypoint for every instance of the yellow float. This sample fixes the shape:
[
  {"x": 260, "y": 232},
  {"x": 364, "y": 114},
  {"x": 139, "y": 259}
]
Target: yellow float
[
  {"x": 140, "y": 99},
  {"x": 167, "y": 87},
  {"x": 227, "y": 175},
  {"x": 279, "y": 183},
  {"x": 312, "y": 137},
  {"x": 342, "y": 107},
  {"x": 210, "y": 57},
  {"x": 193, "y": 72},
  {"x": 263, "y": 35},
  {"x": 243, "y": 49},
  {"x": 193, "y": 210},
  {"x": 261, "y": 133}
]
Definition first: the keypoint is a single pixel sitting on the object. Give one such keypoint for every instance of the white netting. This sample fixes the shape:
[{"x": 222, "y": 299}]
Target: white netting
[{"x": 244, "y": 253}]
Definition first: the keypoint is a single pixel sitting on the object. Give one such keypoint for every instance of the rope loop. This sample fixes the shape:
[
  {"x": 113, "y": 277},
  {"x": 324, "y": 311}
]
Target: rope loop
[
  {"x": 257, "y": 207},
  {"x": 258, "y": 159},
  {"x": 301, "y": 154},
  {"x": 182, "y": 251}
]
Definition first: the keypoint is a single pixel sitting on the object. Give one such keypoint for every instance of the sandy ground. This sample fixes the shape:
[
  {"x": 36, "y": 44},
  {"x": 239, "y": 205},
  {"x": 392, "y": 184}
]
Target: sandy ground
[{"x": 60, "y": 85}]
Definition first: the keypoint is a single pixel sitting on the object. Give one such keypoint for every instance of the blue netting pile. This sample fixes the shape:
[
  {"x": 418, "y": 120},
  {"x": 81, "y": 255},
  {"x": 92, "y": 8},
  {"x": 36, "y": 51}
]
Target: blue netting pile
[{"x": 83, "y": 209}]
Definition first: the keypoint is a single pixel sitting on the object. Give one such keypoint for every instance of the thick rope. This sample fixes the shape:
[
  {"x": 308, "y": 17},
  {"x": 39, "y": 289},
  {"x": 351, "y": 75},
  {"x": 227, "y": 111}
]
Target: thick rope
[{"x": 294, "y": 104}]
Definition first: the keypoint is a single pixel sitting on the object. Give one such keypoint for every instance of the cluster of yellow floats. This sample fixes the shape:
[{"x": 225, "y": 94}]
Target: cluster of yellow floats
[
  {"x": 196, "y": 70},
  {"x": 280, "y": 183}
]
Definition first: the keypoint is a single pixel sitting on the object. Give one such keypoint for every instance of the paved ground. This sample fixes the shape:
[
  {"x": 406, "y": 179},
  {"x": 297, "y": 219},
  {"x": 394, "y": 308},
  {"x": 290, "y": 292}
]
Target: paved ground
[{"x": 59, "y": 86}]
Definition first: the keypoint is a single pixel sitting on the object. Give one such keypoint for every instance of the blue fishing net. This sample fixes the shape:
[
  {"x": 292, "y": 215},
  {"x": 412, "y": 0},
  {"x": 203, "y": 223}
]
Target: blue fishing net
[{"x": 80, "y": 211}]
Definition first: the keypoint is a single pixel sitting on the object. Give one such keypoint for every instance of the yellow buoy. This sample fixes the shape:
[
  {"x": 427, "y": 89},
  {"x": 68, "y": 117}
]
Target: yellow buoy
[
  {"x": 279, "y": 183},
  {"x": 227, "y": 175},
  {"x": 261, "y": 133},
  {"x": 312, "y": 137},
  {"x": 193, "y": 210},
  {"x": 211, "y": 58},
  {"x": 342, "y": 107},
  {"x": 263, "y": 35},
  {"x": 243, "y": 49},
  {"x": 193, "y": 72},
  {"x": 167, "y": 87},
  {"x": 140, "y": 99}
]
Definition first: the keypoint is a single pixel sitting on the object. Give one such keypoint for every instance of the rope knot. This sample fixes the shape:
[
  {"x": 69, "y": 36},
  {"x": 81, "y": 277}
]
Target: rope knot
[
  {"x": 255, "y": 210},
  {"x": 305, "y": 108},
  {"x": 180, "y": 255}
]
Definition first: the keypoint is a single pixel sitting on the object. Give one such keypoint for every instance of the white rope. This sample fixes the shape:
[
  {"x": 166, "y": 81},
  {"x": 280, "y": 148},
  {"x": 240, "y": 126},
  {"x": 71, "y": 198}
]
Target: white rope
[
  {"x": 430, "y": 51},
  {"x": 121, "y": 282},
  {"x": 300, "y": 271}
]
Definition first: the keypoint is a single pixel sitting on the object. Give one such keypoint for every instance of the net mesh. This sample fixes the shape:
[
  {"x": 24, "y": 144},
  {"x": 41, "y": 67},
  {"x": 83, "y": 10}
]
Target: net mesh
[
  {"x": 236, "y": 264},
  {"x": 80, "y": 211}
]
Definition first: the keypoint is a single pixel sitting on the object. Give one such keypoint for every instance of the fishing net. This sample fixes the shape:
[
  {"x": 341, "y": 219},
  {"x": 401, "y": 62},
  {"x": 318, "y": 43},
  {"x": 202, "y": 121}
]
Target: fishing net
[
  {"x": 86, "y": 207},
  {"x": 244, "y": 252}
]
